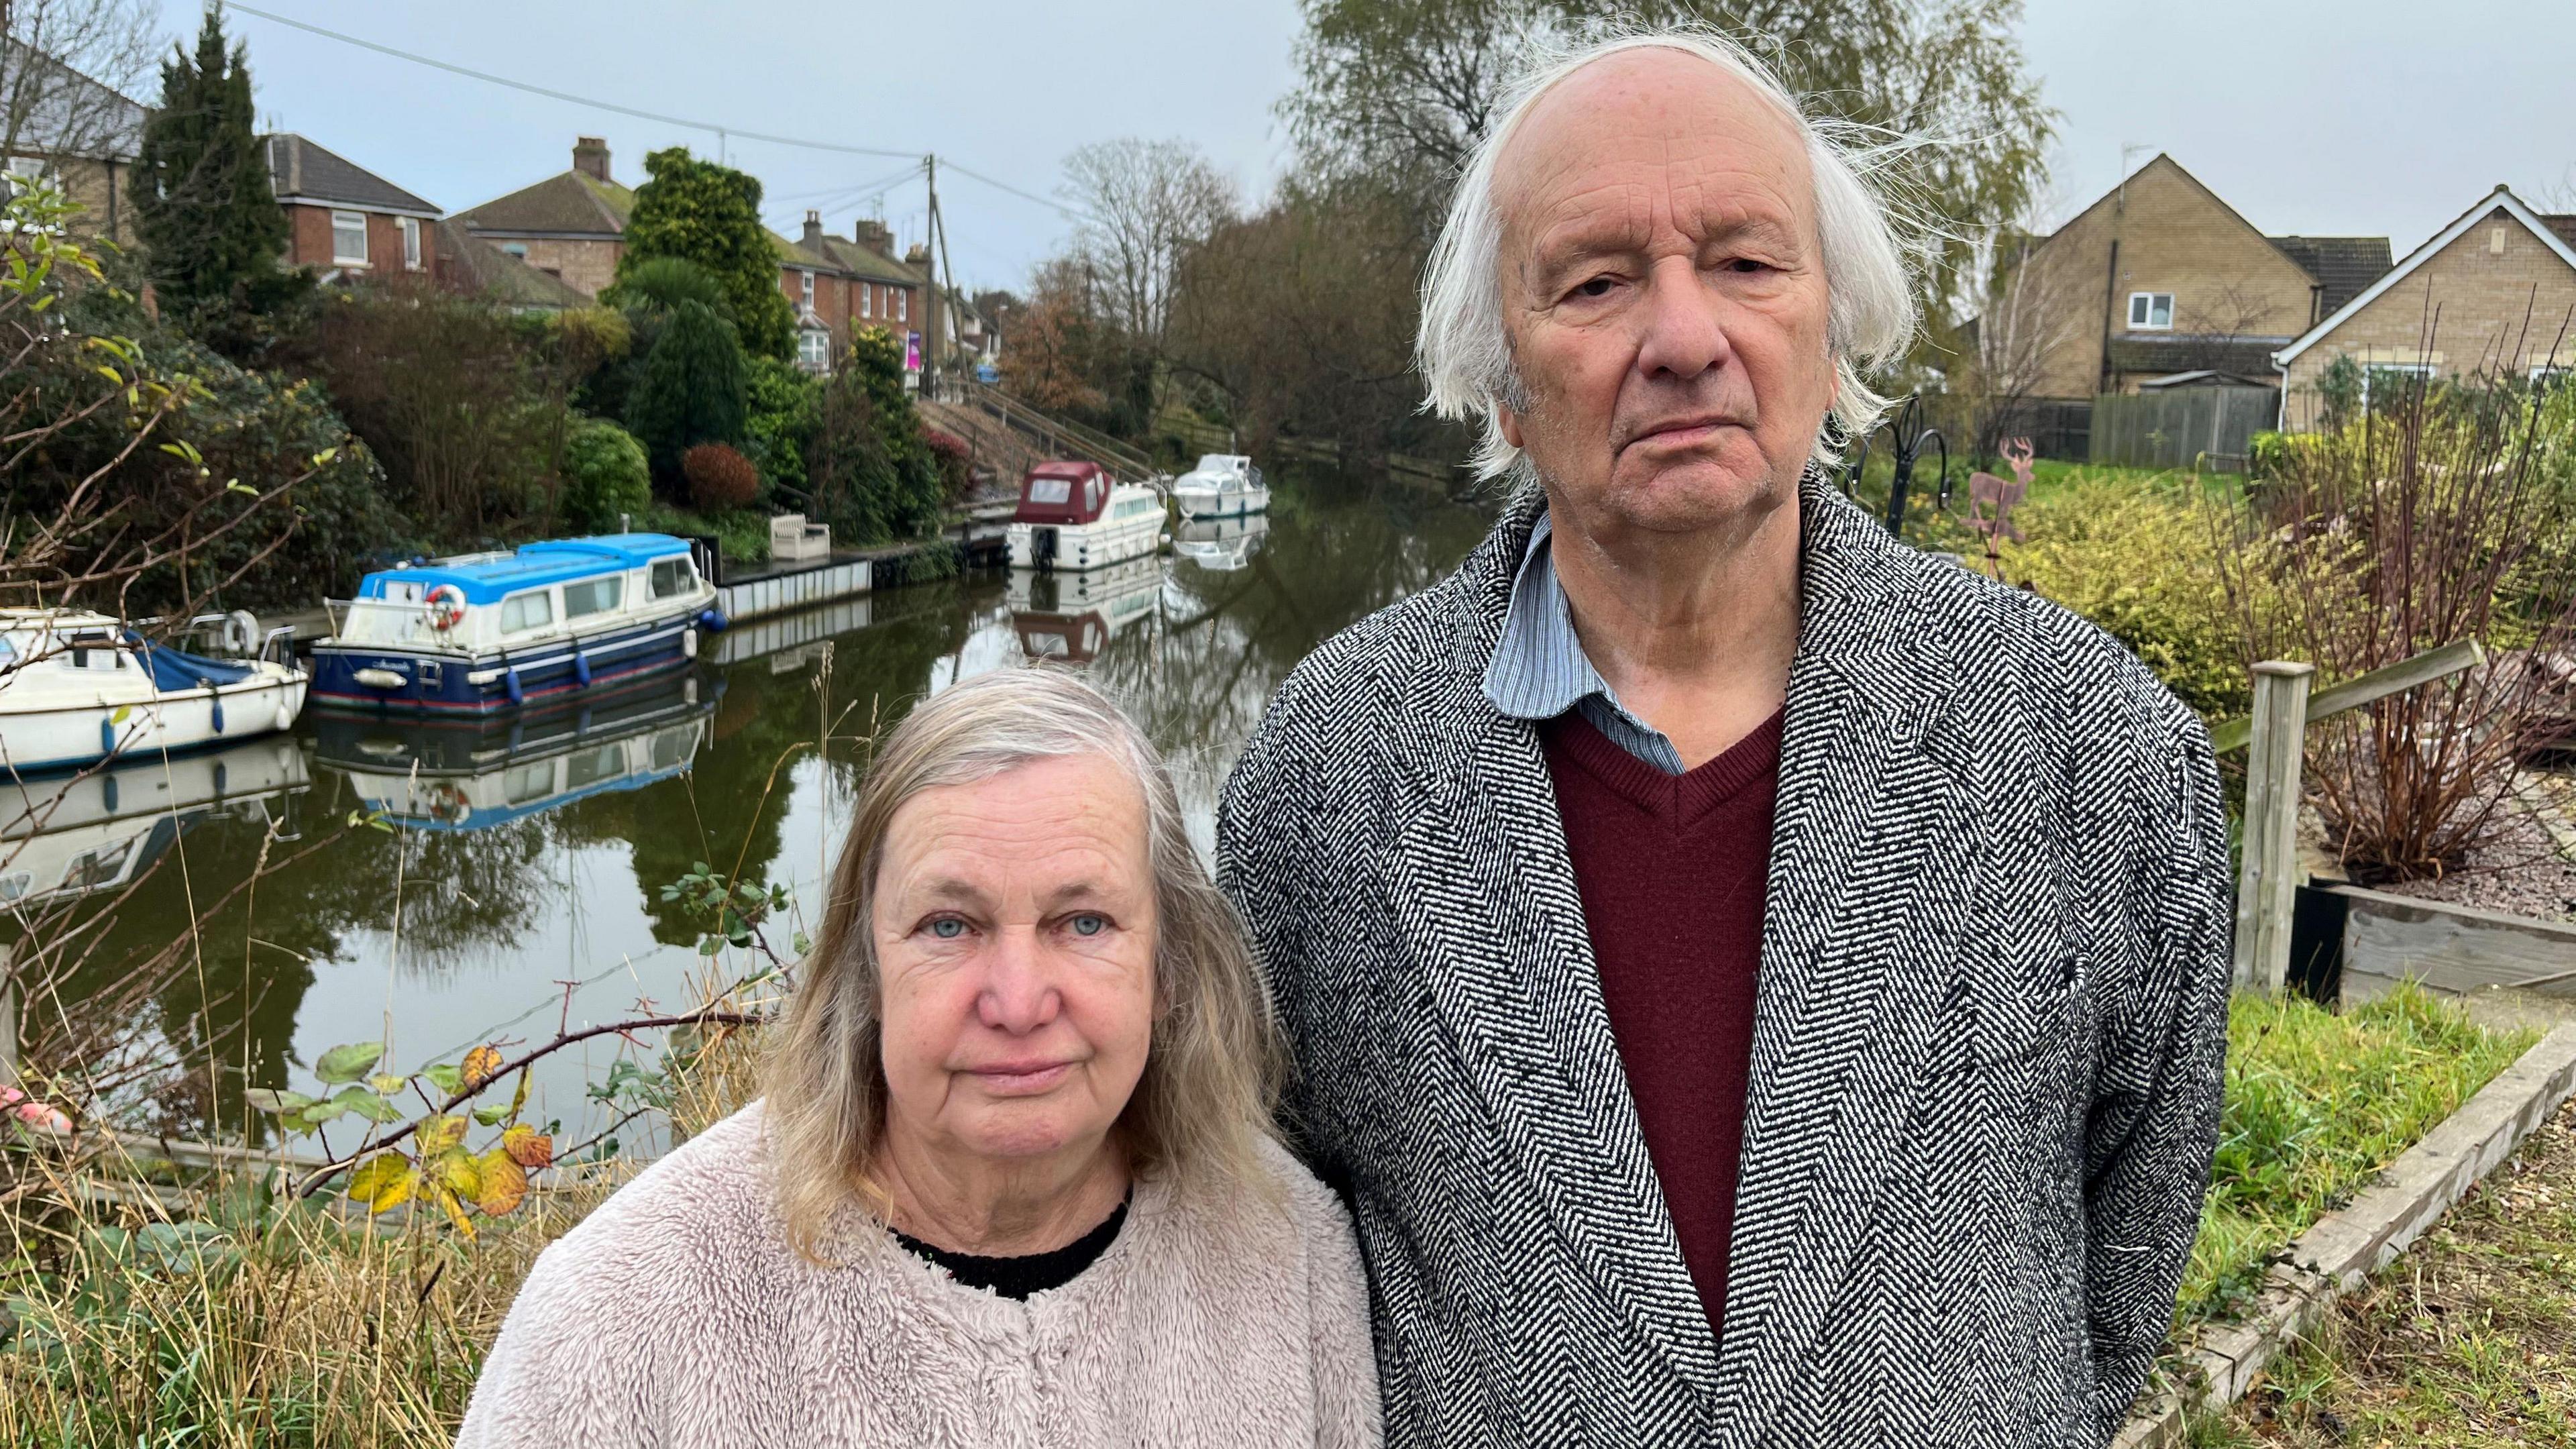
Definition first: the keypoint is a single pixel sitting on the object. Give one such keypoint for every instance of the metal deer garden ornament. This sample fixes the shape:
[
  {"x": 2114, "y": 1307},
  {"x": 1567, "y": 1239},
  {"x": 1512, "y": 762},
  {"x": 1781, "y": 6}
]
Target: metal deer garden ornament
[
  {"x": 1999, "y": 494},
  {"x": 1906, "y": 428}
]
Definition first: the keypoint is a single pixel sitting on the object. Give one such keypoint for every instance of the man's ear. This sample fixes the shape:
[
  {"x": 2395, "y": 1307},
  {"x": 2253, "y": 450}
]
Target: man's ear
[{"x": 1509, "y": 422}]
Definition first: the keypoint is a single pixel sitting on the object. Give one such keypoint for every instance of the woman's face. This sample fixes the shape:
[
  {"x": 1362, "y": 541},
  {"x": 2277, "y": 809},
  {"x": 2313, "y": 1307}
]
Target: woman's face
[{"x": 1014, "y": 923}]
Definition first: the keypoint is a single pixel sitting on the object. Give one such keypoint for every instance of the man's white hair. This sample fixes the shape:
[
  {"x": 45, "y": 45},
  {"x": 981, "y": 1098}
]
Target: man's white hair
[{"x": 1464, "y": 349}]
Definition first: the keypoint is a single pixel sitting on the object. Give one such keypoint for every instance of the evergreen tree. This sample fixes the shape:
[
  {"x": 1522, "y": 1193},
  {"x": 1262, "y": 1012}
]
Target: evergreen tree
[
  {"x": 691, "y": 390},
  {"x": 212, "y": 226},
  {"x": 710, "y": 214}
]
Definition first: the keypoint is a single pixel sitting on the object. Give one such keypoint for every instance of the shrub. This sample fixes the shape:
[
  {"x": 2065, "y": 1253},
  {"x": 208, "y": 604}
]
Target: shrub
[
  {"x": 691, "y": 390},
  {"x": 605, "y": 474},
  {"x": 719, "y": 477},
  {"x": 954, "y": 460},
  {"x": 873, "y": 478},
  {"x": 778, "y": 421}
]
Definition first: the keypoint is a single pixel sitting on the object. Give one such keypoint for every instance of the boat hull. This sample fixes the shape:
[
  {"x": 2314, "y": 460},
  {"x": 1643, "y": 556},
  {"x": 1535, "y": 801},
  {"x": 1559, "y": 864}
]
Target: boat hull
[
  {"x": 73, "y": 736},
  {"x": 354, "y": 677},
  {"x": 1075, "y": 548},
  {"x": 1220, "y": 502}
]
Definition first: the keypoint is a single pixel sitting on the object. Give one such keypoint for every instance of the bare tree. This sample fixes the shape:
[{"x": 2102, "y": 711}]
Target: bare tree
[
  {"x": 2036, "y": 308},
  {"x": 68, "y": 70},
  {"x": 1149, "y": 204}
]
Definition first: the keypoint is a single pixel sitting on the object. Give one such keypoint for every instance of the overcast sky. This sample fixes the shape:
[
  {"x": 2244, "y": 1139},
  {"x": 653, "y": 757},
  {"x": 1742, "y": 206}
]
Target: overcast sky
[{"x": 2318, "y": 116}]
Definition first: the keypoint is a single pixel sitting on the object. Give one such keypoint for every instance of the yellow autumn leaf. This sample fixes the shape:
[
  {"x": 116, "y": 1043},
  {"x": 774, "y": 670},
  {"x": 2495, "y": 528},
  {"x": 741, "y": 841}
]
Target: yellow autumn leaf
[
  {"x": 441, "y": 1133},
  {"x": 383, "y": 1181},
  {"x": 502, "y": 1184},
  {"x": 455, "y": 1210},
  {"x": 481, "y": 1065},
  {"x": 527, "y": 1146},
  {"x": 455, "y": 1172}
]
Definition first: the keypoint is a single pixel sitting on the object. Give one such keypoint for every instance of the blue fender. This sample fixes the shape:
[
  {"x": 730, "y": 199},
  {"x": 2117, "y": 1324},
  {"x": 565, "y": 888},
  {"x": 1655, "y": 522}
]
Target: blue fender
[
  {"x": 106, "y": 736},
  {"x": 510, "y": 685},
  {"x": 712, "y": 620},
  {"x": 581, "y": 670},
  {"x": 218, "y": 702}
]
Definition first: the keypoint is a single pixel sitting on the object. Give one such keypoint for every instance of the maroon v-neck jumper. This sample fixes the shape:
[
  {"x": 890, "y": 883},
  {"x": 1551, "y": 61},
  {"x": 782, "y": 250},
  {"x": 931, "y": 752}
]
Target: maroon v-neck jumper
[{"x": 1671, "y": 870}]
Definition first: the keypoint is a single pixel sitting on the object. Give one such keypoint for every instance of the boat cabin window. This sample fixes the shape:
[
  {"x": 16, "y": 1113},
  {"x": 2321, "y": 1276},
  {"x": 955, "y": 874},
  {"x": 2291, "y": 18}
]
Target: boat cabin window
[
  {"x": 1091, "y": 495},
  {"x": 1050, "y": 490},
  {"x": 672, "y": 576},
  {"x": 593, "y": 596},
  {"x": 531, "y": 610}
]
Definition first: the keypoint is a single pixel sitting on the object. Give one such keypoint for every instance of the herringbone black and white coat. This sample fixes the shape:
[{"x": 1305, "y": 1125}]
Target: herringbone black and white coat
[{"x": 1987, "y": 1052}]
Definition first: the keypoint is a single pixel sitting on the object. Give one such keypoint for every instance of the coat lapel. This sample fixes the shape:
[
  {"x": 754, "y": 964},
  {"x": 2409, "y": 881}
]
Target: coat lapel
[
  {"x": 1863, "y": 912},
  {"x": 1511, "y": 972}
]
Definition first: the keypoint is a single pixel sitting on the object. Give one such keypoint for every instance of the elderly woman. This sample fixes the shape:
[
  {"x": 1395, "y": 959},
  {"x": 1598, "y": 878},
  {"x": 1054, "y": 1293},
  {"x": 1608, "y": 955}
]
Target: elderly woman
[{"x": 1012, "y": 1180}]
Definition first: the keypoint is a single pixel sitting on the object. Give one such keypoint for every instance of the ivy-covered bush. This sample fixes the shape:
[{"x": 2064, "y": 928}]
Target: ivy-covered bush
[
  {"x": 719, "y": 477},
  {"x": 605, "y": 475}
]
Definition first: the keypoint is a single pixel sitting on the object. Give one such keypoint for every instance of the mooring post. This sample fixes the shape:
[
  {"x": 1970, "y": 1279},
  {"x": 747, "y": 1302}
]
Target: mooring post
[{"x": 2267, "y": 880}]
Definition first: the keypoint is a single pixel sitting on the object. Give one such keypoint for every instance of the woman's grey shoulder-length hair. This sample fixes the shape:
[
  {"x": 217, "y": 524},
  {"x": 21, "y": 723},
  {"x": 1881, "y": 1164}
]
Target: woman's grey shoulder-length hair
[
  {"x": 1463, "y": 348},
  {"x": 1201, "y": 1110}
]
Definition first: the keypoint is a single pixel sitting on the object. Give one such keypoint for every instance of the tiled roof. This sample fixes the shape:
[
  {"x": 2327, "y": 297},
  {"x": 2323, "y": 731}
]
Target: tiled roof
[
  {"x": 2342, "y": 265},
  {"x": 299, "y": 169},
  {"x": 60, "y": 109},
  {"x": 860, "y": 261},
  {"x": 567, "y": 203},
  {"x": 2166, "y": 354},
  {"x": 472, "y": 264}
]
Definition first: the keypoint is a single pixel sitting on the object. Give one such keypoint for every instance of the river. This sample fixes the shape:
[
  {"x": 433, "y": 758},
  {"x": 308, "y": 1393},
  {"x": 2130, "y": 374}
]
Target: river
[{"x": 438, "y": 888}]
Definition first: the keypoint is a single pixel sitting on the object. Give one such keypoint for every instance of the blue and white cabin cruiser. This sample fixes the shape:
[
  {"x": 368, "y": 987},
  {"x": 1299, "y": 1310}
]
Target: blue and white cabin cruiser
[
  {"x": 1223, "y": 485},
  {"x": 77, "y": 688},
  {"x": 489, "y": 631}
]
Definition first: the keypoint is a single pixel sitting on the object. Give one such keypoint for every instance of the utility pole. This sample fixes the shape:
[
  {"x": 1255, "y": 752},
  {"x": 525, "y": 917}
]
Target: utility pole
[{"x": 934, "y": 258}]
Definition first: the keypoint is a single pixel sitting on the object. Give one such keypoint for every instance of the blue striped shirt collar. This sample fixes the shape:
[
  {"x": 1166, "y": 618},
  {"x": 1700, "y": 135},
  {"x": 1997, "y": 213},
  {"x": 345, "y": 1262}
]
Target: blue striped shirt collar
[{"x": 1539, "y": 669}]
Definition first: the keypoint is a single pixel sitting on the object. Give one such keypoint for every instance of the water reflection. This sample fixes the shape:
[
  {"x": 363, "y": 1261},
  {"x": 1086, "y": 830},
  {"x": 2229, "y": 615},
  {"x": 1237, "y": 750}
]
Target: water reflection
[{"x": 530, "y": 853}]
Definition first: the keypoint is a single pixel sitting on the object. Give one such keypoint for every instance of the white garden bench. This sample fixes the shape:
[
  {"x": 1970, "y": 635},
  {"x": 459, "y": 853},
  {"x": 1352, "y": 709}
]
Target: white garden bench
[{"x": 791, "y": 538}]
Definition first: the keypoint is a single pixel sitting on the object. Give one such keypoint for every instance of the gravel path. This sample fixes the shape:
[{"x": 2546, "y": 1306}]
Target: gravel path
[{"x": 2526, "y": 869}]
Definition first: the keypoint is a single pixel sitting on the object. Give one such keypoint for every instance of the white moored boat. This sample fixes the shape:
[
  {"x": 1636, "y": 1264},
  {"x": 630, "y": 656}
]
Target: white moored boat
[
  {"x": 1074, "y": 516},
  {"x": 77, "y": 688},
  {"x": 1221, "y": 486}
]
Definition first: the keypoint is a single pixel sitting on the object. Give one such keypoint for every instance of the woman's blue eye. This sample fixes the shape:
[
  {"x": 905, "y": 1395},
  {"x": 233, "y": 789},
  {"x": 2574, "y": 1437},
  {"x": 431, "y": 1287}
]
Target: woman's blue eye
[
  {"x": 1089, "y": 925},
  {"x": 948, "y": 928}
]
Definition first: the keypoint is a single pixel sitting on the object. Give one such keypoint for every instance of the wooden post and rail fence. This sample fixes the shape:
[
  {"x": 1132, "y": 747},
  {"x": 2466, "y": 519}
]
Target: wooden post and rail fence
[{"x": 2268, "y": 874}]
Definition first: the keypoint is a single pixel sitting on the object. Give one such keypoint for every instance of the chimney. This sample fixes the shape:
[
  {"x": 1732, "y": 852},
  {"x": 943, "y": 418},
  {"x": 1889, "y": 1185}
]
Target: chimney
[
  {"x": 873, "y": 235},
  {"x": 919, "y": 256},
  {"x": 590, "y": 157},
  {"x": 813, "y": 229}
]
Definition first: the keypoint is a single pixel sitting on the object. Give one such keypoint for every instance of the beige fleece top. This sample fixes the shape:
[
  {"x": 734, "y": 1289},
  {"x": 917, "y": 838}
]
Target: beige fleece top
[{"x": 676, "y": 1315}]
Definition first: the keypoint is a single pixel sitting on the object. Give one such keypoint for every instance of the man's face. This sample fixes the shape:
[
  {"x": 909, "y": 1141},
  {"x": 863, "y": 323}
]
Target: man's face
[{"x": 1664, "y": 294}]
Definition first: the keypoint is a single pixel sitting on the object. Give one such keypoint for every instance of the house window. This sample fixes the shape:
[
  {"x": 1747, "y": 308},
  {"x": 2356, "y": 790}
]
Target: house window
[
  {"x": 808, "y": 282},
  {"x": 2151, "y": 311},
  {"x": 903, "y": 306},
  {"x": 349, "y": 238},
  {"x": 2545, "y": 376},
  {"x": 411, "y": 243},
  {"x": 867, "y": 299},
  {"x": 515, "y": 249},
  {"x": 2391, "y": 380},
  {"x": 23, "y": 173},
  {"x": 814, "y": 349}
]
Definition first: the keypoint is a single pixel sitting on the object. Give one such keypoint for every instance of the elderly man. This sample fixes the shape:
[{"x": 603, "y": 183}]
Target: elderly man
[{"x": 1757, "y": 983}]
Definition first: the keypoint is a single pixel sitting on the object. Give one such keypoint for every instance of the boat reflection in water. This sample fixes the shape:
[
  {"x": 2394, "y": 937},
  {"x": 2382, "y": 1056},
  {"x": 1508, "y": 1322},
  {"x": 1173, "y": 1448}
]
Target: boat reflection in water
[
  {"x": 474, "y": 774},
  {"x": 65, "y": 838},
  {"x": 1220, "y": 544},
  {"x": 1070, "y": 618}
]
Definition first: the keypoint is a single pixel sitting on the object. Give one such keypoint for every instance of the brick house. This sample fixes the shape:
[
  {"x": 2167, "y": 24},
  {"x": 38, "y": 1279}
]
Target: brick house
[
  {"x": 344, "y": 220},
  {"x": 2503, "y": 278},
  {"x": 570, "y": 226},
  {"x": 2160, "y": 277},
  {"x": 856, "y": 283},
  {"x": 58, "y": 123}
]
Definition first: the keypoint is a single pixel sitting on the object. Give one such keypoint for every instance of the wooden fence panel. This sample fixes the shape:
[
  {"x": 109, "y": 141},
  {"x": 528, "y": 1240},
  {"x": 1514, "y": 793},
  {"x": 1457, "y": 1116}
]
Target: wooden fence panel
[{"x": 2209, "y": 427}]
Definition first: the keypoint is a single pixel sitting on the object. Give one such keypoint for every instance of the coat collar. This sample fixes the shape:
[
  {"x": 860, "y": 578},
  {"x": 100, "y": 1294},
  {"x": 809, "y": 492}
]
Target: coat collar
[{"x": 1861, "y": 912}]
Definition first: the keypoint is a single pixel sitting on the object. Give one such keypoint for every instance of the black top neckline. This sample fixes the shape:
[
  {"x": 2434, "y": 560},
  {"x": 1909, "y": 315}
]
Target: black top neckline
[{"x": 1019, "y": 1276}]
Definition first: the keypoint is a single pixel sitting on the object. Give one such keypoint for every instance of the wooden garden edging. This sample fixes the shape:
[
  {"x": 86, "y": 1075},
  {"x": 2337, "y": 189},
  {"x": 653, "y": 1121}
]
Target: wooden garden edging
[
  {"x": 2346, "y": 1247},
  {"x": 2268, "y": 877}
]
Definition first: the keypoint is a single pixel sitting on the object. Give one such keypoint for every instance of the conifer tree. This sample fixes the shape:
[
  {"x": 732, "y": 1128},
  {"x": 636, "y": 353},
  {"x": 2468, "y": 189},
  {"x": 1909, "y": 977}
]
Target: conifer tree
[
  {"x": 691, "y": 390},
  {"x": 204, "y": 208}
]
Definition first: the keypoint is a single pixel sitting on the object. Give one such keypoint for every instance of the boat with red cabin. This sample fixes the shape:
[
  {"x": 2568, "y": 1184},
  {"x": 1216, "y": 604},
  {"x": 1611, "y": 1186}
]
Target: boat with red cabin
[{"x": 1073, "y": 515}]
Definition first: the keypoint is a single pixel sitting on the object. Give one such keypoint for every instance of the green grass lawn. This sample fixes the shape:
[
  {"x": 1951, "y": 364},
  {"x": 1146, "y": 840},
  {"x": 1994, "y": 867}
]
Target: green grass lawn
[{"x": 2317, "y": 1103}]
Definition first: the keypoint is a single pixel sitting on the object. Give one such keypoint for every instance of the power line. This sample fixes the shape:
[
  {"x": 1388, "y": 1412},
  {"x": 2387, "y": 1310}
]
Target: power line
[{"x": 593, "y": 102}]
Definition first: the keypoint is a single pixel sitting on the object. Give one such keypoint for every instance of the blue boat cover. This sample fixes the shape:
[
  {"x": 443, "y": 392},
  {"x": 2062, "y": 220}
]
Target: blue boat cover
[
  {"x": 535, "y": 565},
  {"x": 175, "y": 670}
]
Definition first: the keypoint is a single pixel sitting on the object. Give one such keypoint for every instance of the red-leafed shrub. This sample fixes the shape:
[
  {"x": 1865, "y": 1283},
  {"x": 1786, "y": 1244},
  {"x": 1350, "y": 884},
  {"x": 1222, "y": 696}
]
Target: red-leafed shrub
[
  {"x": 954, "y": 457},
  {"x": 719, "y": 477}
]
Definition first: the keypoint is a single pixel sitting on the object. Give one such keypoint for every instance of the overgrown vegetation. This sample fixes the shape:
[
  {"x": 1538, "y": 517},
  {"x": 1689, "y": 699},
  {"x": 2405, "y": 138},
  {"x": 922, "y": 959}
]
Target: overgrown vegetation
[{"x": 2317, "y": 1103}]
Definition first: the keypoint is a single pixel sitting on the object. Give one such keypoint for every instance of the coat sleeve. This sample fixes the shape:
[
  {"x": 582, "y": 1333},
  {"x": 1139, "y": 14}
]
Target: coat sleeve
[
  {"x": 569, "y": 1368},
  {"x": 2155, "y": 1111}
]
